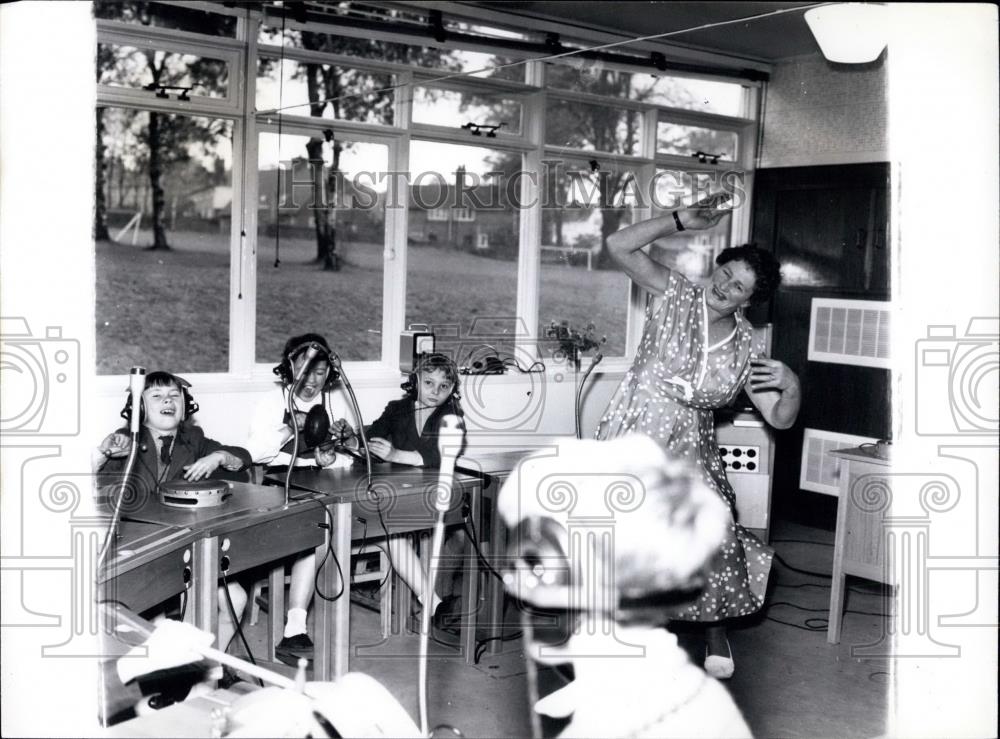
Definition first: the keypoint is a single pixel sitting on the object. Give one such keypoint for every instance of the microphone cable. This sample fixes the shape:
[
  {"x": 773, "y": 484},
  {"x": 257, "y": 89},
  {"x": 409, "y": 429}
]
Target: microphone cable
[{"x": 579, "y": 393}]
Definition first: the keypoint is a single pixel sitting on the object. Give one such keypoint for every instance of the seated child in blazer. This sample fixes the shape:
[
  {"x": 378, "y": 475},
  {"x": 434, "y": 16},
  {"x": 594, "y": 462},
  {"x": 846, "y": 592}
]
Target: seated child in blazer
[{"x": 171, "y": 448}]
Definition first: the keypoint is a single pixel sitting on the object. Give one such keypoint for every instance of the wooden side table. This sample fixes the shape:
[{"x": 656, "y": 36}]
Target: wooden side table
[{"x": 859, "y": 547}]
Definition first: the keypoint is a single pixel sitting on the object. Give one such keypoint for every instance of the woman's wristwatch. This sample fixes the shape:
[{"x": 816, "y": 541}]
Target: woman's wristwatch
[{"x": 677, "y": 222}]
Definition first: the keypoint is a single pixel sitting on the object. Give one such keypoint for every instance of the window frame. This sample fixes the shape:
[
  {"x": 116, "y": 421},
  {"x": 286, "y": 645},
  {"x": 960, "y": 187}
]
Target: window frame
[{"x": 242, "y": 54}]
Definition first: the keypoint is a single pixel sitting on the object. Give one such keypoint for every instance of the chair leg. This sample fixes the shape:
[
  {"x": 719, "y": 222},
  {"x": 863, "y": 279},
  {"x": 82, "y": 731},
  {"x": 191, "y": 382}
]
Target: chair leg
[{"x": 258, "y": 588}]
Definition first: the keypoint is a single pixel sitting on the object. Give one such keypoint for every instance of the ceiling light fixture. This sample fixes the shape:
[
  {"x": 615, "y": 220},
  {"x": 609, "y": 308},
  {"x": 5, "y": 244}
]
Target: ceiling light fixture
[{"x": 849, "y": 33}]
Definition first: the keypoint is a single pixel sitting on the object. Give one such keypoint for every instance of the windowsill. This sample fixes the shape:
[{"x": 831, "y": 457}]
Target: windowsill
[{"x": 361, "y": 374}]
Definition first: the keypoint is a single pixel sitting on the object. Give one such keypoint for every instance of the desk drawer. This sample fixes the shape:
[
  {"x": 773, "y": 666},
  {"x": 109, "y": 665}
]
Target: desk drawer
[
  {"x": 272, "y": 540},
  {"x": 149, "y": 584}
]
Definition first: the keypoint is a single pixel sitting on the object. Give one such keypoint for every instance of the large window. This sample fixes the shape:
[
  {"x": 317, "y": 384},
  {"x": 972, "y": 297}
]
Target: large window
[
  {"x": 583, "y": 203},
  {"x": 360, "y": 181},
  {"x": 164, "y": 195},
  {"x": 320, "y": 242},
  {"x": 462, "y": 269}
]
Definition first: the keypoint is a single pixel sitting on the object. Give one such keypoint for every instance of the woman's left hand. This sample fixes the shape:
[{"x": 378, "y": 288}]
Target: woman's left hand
[{"x": 770, "y": 374}]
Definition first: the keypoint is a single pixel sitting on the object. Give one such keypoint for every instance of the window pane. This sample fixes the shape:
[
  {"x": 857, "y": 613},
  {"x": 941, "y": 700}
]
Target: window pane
[
  {"x": 164, "y": 15},
  {"x": 592, "y": 127},
  {"x": 356, "y": 95},
  {"x": 693, "y": 252},
  {"x": 163, "y": 198},
  {"x": 321, "y": 236},
  {"x": 127, "y": 66},
  {"x": 476, "y": 63},
  {"x": 578, "y": 282},
  {"x": 463, "y": 245},
  {"x": 725, "y": 98},
  {"x": 672, "y": 138},
  {"x": 454, "y": 108}
]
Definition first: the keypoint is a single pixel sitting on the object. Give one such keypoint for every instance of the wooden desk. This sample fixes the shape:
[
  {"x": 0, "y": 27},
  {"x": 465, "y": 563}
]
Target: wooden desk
[
  {"x": 405, "y": 496},
  {"x": 252, "y": 527},
  {"x": 859, "y": 547},
  {"x": 148, "y": 563}
]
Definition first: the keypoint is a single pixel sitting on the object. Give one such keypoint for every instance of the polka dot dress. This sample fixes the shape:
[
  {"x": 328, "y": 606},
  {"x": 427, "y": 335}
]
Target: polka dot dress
[{"x": 669, "y": 393}]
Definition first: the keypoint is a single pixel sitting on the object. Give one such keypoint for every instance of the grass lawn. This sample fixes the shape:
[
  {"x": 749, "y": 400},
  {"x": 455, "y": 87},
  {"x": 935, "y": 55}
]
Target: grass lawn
[{"x": 170, "y": 309}]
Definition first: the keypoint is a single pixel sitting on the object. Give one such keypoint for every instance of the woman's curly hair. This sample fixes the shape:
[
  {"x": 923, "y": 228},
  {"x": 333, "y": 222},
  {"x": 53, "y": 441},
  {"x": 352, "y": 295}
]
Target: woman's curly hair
[{"x": 766, "y": 269}]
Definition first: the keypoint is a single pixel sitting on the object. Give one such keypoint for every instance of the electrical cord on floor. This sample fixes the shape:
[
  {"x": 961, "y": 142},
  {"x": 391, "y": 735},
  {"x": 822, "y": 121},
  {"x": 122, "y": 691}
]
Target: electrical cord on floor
[
  {"x": 825, "y": 586},
  {"x": 236, "y": 623},
  {"x": 801, "y": 541},
  {"x": 825, "y": 610},
  {"x": 184, "y": 603},
  {"x": 811, "y": 573},
  {"x": 481, "y": 644}
]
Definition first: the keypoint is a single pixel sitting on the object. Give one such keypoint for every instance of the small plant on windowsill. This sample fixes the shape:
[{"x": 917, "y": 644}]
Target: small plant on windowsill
[{"x": 573, "y": 342}]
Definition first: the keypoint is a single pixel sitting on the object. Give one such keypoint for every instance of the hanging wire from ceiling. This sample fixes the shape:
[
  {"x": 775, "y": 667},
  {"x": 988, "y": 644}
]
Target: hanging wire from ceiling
[{"x": 550, "y": 57}]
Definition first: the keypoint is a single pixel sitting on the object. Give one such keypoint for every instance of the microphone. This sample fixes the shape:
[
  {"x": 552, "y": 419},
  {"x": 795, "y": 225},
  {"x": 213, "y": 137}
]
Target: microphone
[
  {"x": 307, "y": 358},
  {"x": 450, "y": 437},
  {"x": 136, "y": 384}
]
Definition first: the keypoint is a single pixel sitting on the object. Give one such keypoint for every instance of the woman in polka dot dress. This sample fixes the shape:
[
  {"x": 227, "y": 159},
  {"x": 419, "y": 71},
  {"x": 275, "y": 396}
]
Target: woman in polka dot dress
[{"x": 695, "y": 356}]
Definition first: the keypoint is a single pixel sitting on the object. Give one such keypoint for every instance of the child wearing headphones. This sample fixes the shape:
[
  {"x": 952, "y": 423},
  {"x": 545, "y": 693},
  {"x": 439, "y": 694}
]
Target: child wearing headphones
[
  {"x": 172, "y": 448},
  {"x": 271, "y": 442},
  {"x": 407, "y": 430},
  {"x": 407, "y": 433}
]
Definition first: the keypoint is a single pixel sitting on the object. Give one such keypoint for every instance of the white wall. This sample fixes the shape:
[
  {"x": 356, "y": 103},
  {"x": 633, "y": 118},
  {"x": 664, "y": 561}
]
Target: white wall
[{"x": 822, "y": 113}]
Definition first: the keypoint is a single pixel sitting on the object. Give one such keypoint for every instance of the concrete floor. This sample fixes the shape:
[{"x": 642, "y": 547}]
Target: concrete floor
[{"x": 789, "y": 682}]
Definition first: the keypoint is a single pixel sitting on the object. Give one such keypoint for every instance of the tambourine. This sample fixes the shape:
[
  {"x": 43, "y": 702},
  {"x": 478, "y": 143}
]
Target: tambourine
[{"x": 201, "y": 494}]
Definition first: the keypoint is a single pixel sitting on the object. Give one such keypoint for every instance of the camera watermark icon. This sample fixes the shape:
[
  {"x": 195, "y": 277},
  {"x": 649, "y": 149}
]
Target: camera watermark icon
[
  {"x": 62, "y": 498},
  {"x": 957, "y": 380},
  {"x": 495, "y": 346},
  {"x": 899, "y": 512},
  {"x": 41, "y": 378}
]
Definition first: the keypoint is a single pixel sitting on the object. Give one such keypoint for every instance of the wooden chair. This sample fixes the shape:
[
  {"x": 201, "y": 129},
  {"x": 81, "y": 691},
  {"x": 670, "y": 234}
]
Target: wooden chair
[{"x": 361, "y": 572}]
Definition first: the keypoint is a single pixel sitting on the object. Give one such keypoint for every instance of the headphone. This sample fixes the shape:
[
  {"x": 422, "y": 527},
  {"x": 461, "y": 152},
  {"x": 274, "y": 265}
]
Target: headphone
[
  {"x": 296, "y": 346},
  {"x": 430, "y": 363},
  {"x": 163, "y": 379}
]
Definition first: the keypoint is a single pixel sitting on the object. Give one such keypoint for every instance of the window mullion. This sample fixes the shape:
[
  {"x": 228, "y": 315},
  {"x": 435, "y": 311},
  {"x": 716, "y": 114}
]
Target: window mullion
[
  {"x": 530, "y": 236},
  {"x": 243, "y": 260},
  {"x": 395, "y": 254}
]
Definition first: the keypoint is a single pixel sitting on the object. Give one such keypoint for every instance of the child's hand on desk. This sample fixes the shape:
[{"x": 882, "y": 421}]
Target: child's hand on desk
[
  {"x": 208, "y": 464},
  {"x": 115, "y": 445},
  {"x": 382, "y": 448},
  {"x": 324, "y": 457}
]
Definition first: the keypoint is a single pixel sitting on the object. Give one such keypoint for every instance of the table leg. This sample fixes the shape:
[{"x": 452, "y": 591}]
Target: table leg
[
  {"x": 332, "y": 624},
  {"x": 836, "y": 616},
  {"x": 494, "y": 588},
  {"x": 203, "y": 596},
  {"x": 275, "y": 608},
  {"x": 470, "y": 580}
]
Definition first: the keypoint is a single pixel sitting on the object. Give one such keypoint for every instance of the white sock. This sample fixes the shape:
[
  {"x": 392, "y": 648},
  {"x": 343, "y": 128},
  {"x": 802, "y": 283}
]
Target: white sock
[{"x": 296, "y": 623}]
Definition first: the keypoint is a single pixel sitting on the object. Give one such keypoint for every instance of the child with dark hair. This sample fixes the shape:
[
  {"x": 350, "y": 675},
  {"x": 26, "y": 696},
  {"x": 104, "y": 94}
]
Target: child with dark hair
[
  {"x": 172, "y": 448},
  {"x": 306, "y": 358}
]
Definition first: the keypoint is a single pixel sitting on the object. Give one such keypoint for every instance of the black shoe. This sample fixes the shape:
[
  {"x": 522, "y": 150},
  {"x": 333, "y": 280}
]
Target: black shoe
[
  {"x": 292, "y": 648},
  {"x": 448, "y": 614},
  {"x": 229, "y": 678},
  {"x": 446, "y": 620}
]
